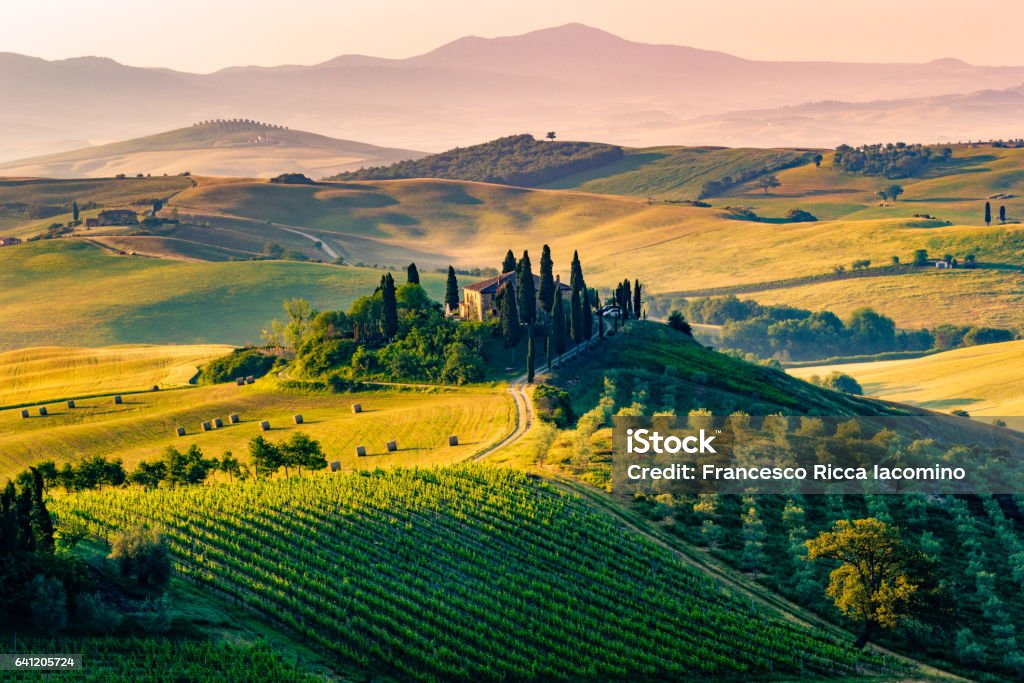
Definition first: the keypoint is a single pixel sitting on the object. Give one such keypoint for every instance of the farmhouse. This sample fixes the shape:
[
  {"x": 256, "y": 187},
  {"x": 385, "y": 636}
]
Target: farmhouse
[
  {"x": 118, "y": 217},
  {"x": 9, "y": 241},
  {"x": 478, "y": 299}
]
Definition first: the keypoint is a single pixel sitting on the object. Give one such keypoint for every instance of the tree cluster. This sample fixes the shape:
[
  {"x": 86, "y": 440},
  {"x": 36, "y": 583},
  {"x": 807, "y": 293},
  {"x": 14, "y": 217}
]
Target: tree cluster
[
  {"x": 892, "y": 160},
  {"x": 514, "y": 160}
]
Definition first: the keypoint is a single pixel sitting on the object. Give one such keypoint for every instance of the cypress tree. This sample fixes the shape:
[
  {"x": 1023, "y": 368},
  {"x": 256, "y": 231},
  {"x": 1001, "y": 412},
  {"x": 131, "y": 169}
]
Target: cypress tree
[
  {"x": 576, "y": 317},
  {"x": 529, "y": 359},
  {"x": 576, "y": 272},
  {"x": 74, "y": 210},
  {"x": 526, "y": 290},
  {"x": 390, "y": 306},
  {"x": 510, "y": 331},
  {"x": 1002, "y": 214},
  {"x": 412, "y": 274},
  {"x": 627, "y": 300},
  {"x": 8, "y": 520},
  {"x": 549, "y": 345},
  {"x": 558, "y": 322},
  {"x": 636, "y": 298},
  {"x": 988, "y": 213},
  {"x": 451, "y": 291},
  {"x": 41, "y": 522},
  {"x": 547, "y": 280},
  {"x": 600, "y": 324},
  {"x": 509, "y": 264},
  {"x": 588, "y": 315}
]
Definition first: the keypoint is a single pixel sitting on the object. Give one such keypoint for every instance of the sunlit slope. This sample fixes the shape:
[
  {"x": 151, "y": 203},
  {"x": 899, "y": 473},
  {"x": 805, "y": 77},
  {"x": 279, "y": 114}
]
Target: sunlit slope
[
  {"x": 143, "y": 425},
  {"x": 984, "y": 380},
  {"x": 63, "y": 372},
  {"x": 75, "y": 293},
  {"x": 467, "y": 574}
]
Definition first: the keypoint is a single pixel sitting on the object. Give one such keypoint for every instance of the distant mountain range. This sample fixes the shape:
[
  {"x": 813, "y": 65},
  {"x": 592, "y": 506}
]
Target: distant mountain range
[
  {"x": 222, "y": 148},
  {"x": 581, "y": 82}
]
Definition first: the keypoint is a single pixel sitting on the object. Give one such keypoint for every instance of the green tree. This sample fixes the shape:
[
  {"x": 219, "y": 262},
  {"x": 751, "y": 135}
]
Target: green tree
[
  {"x": 509, "y": 316},
  {"x": 74, "y": 210},
  {"x": 530, "y": 360},
  {"x": 817, "y": 160},
  {"x": 412, "y": 275},
  {"x": 547, "y": 280},
  {"x": 49, "y": 604},
  {"x": 576, "y": 316},
  {"x": 390, "y": 309},
  {"x": 768, "y": 182},
  {"x": 549, "y": 347},
  {"x": 229, "y": 465},
  {"x": 678, "y": 323},
  {"x": 576, "y": 272},
  {"x": 1002, "y": 215},
  {"x": 149, "y": 474},
  {"x": 142, "y": 553},
  {"x": 265, "y": 456},
  {"x": 872, "y": 583},
  {"x": 588, "y": 315},
  {"x": 526, "y": 290},
  {"x": 550, "y": 135},
  {"x": 558, "y": 323},
  {"x": 894, "y": 191},
  {"x": 921, "y": 257},
  {"x": 509, "y": 264},
  {"x": 637, "y": 303},
  {"x": 451, "y": 291},
  {"x": 988, "y": 213},
  {"x": 301, "y": 451}
]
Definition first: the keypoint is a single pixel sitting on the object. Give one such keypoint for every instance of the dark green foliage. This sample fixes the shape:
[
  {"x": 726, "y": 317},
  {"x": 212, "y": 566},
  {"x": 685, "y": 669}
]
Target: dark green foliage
[
  {"x": 891, "y": 160},
  {"x": 514, "y": 160},
  {"x": 509, "y": 316},
  {"x": 717, "y": 186},
  {"x": 558, "y": 322},
  {"x": 49, "y": 604},
  {"x": 451, "y": 291},
  {"x": 239, "y": 363},
  {"x": 526, "y": 291},
  {"x": 549, "y": 348},
  {"x": 292, "y": 179},
  {"x": 412, "y": 275},
  {"x": 390, "y": 306},
  {"x": 300, "y": 451},
  {"x": 553, "y": 405},
  {"x": 838, "y": 381},
  {"x": 149, "y": 474},
  {"x": 678, "y": 323},
  {"x": 1002, "y": 214},
  {"x": 547, "y": 280},
  {"x": 187, "y": 468},
  {"x": 587, "y": 314},
  {"x": 800, "y": 216},
  {"x": 74, "y": 210},
  {"x": 576, "y": 316},
  {"x": 637, "y": 302},
  {"x": 920, "y": 258},
  {"x": 89, "y": 473},
  {"x": 576, "y": 272},
  {"x": 988, "y": 213},
  {"x": 509, "y": 264},
  {"x": 142, "y": 554}
]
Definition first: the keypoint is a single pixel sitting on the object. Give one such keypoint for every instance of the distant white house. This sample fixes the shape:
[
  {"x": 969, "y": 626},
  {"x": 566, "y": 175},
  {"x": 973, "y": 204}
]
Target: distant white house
[{"x": 942, "y": 264}]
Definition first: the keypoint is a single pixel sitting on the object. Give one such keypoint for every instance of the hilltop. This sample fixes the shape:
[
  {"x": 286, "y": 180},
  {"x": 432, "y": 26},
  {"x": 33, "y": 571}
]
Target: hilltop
[{"x": 235, "y": 147}]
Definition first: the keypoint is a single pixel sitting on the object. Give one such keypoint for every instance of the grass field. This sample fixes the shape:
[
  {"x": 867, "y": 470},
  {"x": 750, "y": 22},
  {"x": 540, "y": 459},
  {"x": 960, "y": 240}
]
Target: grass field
[
  {"x": 51, "y": 373},
  {"x": 143, "y": 426},
  {"x": 72, "y": 292},
  {"x": 984, "y": 380}
]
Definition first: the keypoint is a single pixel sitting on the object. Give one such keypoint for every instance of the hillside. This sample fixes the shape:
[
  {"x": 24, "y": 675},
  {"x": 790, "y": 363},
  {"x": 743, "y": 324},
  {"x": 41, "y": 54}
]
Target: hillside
[
  {"x": 54, "y": 372},
  {"x": 94, "y": 297},
  {"x": 515, "y": 160},
  {"x": 522, "y": 581},
  {"x": 983, "y": 380},
  {"x": 218, "y": 148}
]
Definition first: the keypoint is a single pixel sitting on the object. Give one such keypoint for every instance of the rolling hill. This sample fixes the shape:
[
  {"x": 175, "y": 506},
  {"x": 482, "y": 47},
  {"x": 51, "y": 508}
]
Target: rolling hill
[{"x": 222, "y": 148}]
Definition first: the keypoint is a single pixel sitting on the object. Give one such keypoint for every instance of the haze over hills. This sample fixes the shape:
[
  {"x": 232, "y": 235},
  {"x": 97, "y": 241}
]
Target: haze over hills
[
  {"x": 220, "y": 148},
  {"x": 582, "y": 82}
]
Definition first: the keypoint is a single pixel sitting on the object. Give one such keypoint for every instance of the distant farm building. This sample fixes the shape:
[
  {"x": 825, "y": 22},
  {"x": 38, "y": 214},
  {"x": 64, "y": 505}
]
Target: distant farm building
[
  {"x": 92, "y": 223},
  {"x": 479, "y": 299},
  {"x": 117, "y": 217},
  {"x": 9, "y": 241},
  {"x": 942, "y": 264}
]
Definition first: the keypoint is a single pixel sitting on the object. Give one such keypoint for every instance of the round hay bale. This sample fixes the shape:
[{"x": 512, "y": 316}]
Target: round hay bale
[
  {"x": 24, "y": 414},
  {"x": 240, "y": 381},
  {"x": 234, "y": 419},
  {"x": 264, "y": 426},
  {"x": 297, "y": 419},
  {"x": 453, "y": 440},
  {"x": 360, "y": 451},
  {"x": 335, "y": 465},
  {"x": 180, "y": 431},
  {"x": 154, "y": 388},
  {"x": 71, "y": 404},
  {"x": 250, "y": 380},
  {"x": 118, "y": 400},
  {"x": 42, "y": 411},
  {"x": 392, "y": 446},
  {"x": 218, "y": 423},
  {"x": 357, "y": 408},
  {"x": 207, "y": 426}
]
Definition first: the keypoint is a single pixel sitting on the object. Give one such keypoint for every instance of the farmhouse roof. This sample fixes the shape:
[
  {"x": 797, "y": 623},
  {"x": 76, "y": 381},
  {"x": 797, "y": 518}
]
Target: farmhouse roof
[{"x": 492, "y": 284}]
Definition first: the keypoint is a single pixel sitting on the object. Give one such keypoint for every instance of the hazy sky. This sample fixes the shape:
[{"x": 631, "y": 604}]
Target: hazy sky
[{"x": 205, "y": 35}]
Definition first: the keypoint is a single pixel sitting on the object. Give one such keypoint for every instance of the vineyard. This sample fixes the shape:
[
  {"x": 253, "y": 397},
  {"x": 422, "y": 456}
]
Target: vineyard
[
  {"x": 109, "y": 660},
  {"x": 465, "y": 573},
  {"x": 976, "y": 543}
]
